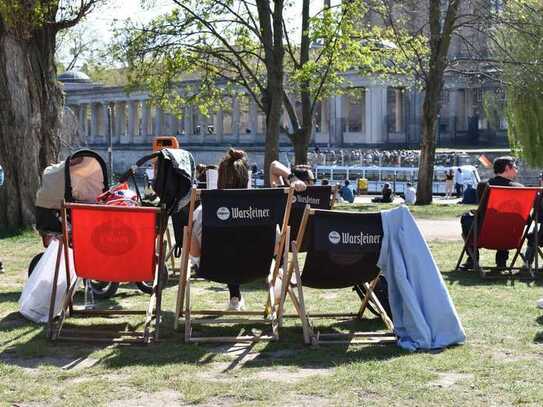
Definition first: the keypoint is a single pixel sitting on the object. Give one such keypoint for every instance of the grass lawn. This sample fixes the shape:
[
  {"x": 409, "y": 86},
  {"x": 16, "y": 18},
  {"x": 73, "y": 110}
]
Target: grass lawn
[
  {"x": 500, "y": 364},
  {"x": 432, "y": 211}
]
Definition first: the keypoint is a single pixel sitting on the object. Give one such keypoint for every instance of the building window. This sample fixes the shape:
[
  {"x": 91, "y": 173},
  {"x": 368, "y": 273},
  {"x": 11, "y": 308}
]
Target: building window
[{"x": 227, "y": 116}]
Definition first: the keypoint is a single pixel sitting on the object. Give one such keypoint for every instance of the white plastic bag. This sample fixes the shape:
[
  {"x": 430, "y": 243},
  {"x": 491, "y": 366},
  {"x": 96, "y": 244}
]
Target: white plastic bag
[{"x": 36, "y": 295}]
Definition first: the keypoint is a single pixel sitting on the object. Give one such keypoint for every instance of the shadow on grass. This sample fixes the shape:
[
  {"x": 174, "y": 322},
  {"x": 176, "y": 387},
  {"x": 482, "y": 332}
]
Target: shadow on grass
[{"x": 471, "y": 278}]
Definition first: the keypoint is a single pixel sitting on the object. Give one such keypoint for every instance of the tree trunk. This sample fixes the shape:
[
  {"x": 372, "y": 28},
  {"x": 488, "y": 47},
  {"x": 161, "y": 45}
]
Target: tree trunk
[
  {"x": 30, "y": 119},
  {"x": 272, "y": 37},
  {"x": 427, "y": 151}
]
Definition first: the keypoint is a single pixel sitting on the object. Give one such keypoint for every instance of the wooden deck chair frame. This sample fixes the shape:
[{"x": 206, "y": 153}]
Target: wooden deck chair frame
[
  {"x": 296, "y": 294},
  {"x": 153, "y": 310},
  {"x": 185, "y": 315},
  {"x": 471, "y": 241}
]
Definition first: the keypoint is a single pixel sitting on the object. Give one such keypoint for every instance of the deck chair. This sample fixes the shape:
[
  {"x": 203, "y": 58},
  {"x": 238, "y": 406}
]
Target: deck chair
[
  {"x": 239, "y": 228},
  {"x": 110, "y": 243},
  {"x": 342, "y": 251},
  {"x": 317, "y": 197},
  {"x": 501, "y": 222}
]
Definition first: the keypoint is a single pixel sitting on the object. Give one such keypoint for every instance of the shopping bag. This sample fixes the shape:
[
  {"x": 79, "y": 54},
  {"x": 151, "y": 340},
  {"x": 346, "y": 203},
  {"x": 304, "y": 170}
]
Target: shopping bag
[{"x": 36, "y": 296}]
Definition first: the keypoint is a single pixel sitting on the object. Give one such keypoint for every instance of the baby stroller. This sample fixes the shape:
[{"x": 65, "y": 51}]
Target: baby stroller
[
  {"x": 82, "y": 178},
  {"x": 174, "y": 175}
]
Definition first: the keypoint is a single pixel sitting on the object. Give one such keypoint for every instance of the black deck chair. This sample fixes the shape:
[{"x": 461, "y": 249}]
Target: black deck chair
[
  {"x": 239, "y": 228},
  {"x": 342, "y": 251},
  {"x": 317, "y": 197}
]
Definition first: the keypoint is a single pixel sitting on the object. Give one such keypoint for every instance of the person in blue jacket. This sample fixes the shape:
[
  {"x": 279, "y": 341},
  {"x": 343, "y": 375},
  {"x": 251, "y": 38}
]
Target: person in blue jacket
[{"x": 346, "y": 192}]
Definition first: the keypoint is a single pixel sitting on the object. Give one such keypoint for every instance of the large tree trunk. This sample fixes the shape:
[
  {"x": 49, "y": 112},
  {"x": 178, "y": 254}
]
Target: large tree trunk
[
  {"x": 30, "y": 119},
  {"x": 272, "y": 36},
  {"x": 428, "y": 147},
  {"x": 441, "y": 31}
]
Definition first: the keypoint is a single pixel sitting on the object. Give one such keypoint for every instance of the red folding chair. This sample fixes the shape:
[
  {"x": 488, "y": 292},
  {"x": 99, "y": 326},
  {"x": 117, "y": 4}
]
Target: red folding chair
[
  {"x": 501, "y": 222},
  {"x": 114, "y": 244}
]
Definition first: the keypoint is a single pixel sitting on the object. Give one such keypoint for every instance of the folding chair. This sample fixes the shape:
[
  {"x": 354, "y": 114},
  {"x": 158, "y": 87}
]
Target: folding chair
[
  {"x": 239, "y": 228},
  {"x": 501, "y": 222},
  {"x": 342, "y": 251},
  {"x": 317, "y": 197},
  {"x": 110, "y": 243}
]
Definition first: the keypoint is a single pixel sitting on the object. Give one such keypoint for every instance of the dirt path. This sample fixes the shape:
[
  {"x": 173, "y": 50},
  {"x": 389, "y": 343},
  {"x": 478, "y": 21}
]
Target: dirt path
[{"x": 440, "y": 229}]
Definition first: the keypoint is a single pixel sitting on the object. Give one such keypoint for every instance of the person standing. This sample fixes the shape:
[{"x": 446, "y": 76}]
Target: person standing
[
  {"x": 449, "y": 183},
  {"x": 410, "y": 194},
  {"x": 459, "y": 182}
]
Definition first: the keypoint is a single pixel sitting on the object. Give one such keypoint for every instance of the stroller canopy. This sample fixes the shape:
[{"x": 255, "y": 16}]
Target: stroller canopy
[{"x": 81, "y": 177}]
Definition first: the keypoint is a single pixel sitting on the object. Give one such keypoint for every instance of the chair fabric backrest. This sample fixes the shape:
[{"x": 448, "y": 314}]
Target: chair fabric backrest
[
  {"x": 342, "y": 248},
  {"x": 317, "y": 197},
  {"x": 239, "y": 228},
  {"x": 505, "y": 216},
  {"x": 114, "y": 243}
]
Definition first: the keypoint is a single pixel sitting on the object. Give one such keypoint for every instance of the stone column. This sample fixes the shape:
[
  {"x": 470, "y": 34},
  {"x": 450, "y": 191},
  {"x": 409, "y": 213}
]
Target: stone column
[
  {"x": 157, "y": 130},
  {"x": 219, "y": 125},
  {"x": 235, "y": 118},
  {"x": 83, "y": 122},
  {"x": 339, "y": 119},
  {"x": 120, "y": 122},
  {"x": 105, "y": 121},
  {"x": 188, "y": 121},
  {"x": 145, "y": 116},
  {"x": 131, "y": 124},
  {"x": 376, "y": 110},
  {"x": 93, "y": 123}
]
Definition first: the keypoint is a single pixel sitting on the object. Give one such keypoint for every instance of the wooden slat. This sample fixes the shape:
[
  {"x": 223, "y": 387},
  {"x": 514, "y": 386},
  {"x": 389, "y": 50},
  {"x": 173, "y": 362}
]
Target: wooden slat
[
  {"x": 232, "y": 339},
  {"x": 210, "y": 321}
]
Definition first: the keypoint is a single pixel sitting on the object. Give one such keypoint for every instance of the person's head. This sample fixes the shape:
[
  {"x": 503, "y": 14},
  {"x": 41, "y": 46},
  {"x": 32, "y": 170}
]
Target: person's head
[
  {"x": 347, "y": 182},
  {"x": 325, "y": 182},
  {"x": 409, "y": 185},
  {"x": 386, "y": 186},
  {"x": 303, "y": 173},
  {"x": 233, "y": 170},
  {"x": 505, "y": 166}
]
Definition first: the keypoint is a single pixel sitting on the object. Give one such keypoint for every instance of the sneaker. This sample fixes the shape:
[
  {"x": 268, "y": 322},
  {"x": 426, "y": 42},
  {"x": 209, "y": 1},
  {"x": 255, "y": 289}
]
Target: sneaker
[
  {"x": 1, "y": 267},
  {"x": 236, "y": 304},
  {"x": 539, "y": 303}
]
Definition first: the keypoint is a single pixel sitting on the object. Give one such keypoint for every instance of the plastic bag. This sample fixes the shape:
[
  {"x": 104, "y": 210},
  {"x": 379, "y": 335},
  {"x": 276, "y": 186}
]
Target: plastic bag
[{"x": 36, "y": 296}]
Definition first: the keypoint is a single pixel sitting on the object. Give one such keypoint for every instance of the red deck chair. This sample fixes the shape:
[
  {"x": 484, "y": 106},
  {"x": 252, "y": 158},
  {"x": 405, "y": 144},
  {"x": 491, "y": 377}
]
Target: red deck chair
[
  {"x": 114, "y": 244},
  {"x": 501, "y": 222}
]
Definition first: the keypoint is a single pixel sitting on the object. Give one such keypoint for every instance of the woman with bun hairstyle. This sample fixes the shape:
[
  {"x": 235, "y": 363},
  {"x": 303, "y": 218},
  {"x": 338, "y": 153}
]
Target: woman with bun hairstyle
[{"x": 233, "y": 174}]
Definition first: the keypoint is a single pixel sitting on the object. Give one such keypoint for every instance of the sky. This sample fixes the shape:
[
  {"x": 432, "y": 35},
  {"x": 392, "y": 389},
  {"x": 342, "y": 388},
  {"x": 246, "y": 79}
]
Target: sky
[{"x": 100, "y": 22}]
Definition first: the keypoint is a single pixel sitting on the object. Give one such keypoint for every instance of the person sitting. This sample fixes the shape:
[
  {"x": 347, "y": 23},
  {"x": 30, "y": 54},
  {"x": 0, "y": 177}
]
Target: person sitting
[
  {"x": 410, "y": 194},
  {"x": 299, "y": 177},
  {"x": 233, "y": 174},
  {"x": 470, "y": 195},
  {"x": 506, "y": 171},
  {"x": 346, "y": 192},
  {"x": 387, "y": 195}
]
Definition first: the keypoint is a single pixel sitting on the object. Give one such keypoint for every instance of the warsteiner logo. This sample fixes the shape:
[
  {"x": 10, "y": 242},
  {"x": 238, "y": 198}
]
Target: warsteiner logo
[
  {"x": 113, "y": 239},
  {"x": 334, "y": 237},
  {"x": 223, "y": 213}
]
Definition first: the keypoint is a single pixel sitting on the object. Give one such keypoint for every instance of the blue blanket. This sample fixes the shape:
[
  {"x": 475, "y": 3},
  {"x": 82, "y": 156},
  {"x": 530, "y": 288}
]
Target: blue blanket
[{"x": 423, "y": 312}]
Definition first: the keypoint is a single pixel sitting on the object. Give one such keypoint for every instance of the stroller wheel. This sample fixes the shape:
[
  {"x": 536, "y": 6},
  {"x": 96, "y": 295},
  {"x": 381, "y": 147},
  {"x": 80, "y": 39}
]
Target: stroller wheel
[
  {"x": 147, "y": 286},
  {"x": 103, "y": 289},
  {"x": 35, "y": 260}
]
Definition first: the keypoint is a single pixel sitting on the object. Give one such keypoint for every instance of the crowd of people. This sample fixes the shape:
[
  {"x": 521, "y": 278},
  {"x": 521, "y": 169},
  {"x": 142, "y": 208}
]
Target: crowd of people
[{"x": 382, "y": 158}]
